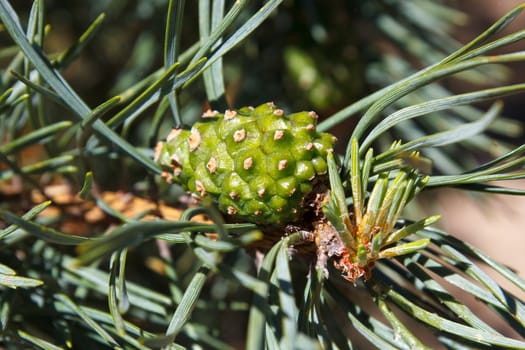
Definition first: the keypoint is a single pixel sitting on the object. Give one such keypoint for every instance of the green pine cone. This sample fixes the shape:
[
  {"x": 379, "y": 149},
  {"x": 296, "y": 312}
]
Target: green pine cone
[{"x": 258, "y": 164}]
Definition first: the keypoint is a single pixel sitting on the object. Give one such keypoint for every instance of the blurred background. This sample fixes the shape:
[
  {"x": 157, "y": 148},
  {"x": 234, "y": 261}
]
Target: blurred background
[{"x": 316, "y": 55}]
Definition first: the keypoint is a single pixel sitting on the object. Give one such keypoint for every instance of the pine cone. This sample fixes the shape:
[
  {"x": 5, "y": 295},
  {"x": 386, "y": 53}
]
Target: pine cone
[{"x": 258, "y": 164}]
